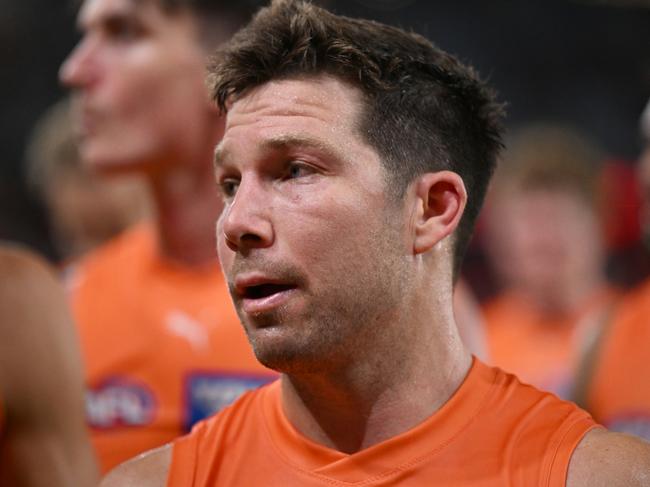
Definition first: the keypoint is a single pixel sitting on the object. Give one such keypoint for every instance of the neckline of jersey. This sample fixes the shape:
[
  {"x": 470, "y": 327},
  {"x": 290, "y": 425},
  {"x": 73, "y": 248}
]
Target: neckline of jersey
[{"x": 389, "y": 457}]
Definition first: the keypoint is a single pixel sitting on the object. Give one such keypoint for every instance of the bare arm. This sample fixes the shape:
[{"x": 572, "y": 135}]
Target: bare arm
[
  {"x": 606, "y": 459},
  {"x": 44, "y": 439},
  {"x": 147, "y": 470}
]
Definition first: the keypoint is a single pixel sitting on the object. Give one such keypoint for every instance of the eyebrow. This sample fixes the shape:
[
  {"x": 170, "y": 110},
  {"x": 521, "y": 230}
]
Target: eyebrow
[
  {"x": 283, "y": 142},
  {"x": 120, "y": 13}
]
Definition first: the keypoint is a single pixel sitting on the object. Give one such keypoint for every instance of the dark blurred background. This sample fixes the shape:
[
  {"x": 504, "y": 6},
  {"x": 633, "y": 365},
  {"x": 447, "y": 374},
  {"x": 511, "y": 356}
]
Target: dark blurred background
[{"x": 586, "y": 63}]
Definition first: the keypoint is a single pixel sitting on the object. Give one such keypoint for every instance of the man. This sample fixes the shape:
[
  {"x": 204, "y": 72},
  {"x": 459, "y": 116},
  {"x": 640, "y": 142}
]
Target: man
[
  {"x": 43, "y": 441},
  {"x": 84, "y": 210},
  {"x": 162, "y": 345},
  {"x": 546, "y": 243},
  {"x": 354, "y": 161},
  {"x": 618, "y": 391}
]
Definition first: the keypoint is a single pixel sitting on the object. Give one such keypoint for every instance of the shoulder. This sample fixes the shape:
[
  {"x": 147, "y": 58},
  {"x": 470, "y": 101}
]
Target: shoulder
[
  {"x": 606, "y": 459},
  {"x": 123, "y": 255},
  {"x": 29, "y": 292},
  {"x": 178, "y": 463},
  {"x": 147, "y": 470},
  {"x": 20, "y": 266},
  {"x": 32, "y": 310},
  {"x": 36, "y": 327},
  {"x": 129, "y": 246},
  {"x": 540, "y": 430},
  {"x": 539, "y": 416}
]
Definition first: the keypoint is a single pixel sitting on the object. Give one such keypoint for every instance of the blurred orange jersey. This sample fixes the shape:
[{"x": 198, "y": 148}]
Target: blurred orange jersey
[
  {"x": 493, "y": 432},
  {"x": 619, "y": 392},
  {"x": 543, "y": 351},
  {"x": 162, "y": 345}
]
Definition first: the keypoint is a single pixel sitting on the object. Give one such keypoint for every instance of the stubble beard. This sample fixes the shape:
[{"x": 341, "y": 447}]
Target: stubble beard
[{"x": 340, "y": 324}]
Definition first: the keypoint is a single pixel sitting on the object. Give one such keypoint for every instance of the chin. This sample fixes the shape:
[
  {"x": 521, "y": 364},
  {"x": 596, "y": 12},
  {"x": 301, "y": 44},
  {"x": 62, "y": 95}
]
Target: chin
[
  {"x": 283, "y": 353},
  {"x": 287, "y": 344},
  {"x": 108, "y": 162}
]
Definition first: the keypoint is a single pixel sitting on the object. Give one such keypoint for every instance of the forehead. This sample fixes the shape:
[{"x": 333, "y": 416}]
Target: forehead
[
  {"x": 96, "y": 11},
  {"x": 317, "y": 108}
]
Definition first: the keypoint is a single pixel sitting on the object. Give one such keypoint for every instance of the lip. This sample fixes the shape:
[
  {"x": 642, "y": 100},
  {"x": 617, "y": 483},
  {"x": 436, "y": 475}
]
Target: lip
[
  {"x": 262, "y": 305},
  {"x": 251, "y": 305}
]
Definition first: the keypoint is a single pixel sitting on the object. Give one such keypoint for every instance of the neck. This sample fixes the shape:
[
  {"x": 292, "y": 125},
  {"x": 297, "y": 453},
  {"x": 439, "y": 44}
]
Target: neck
[
  {"x": 376, "y": 397},
  {"x": 187, "y": 207}
]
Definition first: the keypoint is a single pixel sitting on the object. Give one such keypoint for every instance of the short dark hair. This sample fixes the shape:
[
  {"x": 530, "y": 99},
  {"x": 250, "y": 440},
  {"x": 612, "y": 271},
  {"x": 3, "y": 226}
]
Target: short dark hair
[{"x": 423, "y": 110}]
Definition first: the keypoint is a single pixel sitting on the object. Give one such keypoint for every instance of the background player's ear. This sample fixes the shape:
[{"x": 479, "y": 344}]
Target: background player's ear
[{"x": 440, "y": 199}]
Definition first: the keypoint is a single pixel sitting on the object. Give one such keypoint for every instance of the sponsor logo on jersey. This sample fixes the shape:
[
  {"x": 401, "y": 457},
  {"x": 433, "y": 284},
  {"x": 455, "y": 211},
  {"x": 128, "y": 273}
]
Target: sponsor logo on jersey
[
  {"x": 633, "y": 423},
  {"x": 119, "y": 402},
  {"x": 206, "y": 393}
]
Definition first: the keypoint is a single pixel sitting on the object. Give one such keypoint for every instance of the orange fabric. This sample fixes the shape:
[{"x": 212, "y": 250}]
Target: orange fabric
[
  {"x": 543, "y": 351},
  {"x": 619, "y": 395},
  {"x": 162, "y": 345},
  {"x": 494, "y": 431}
]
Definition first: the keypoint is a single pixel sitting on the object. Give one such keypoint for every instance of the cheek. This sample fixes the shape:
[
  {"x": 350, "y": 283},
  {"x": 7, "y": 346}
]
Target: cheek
[
  {"x": 340, "y": 238},
  {"x": 141, "y": 84}
]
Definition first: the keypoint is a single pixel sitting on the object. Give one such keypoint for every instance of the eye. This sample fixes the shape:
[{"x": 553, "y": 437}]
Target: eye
[
  {"x": 228, "y": 187},
  {"x": 123, "y": 29},
  {"x": 298, "y": 170}
]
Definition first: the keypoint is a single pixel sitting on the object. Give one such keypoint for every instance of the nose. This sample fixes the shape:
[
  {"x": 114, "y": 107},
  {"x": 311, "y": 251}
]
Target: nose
[
  {"x": 80, "y": 68},
  {"x": 246, "y": 220}
]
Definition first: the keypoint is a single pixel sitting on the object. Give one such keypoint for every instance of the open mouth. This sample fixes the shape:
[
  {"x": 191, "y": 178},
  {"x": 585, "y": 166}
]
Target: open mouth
[{"x": 265, "y": 290}]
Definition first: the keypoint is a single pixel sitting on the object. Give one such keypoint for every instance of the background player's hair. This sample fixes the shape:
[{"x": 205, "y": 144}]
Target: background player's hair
[
  {"x": 423, "y": 110},
  {"x": 218, "y": 20},
  {"x": 551, "y": 157}
]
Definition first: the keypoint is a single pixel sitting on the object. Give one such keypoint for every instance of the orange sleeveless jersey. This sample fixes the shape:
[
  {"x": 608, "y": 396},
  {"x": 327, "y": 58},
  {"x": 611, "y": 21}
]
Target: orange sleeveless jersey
[
  {"x": 545, "y": 352},
  {"x": 493, "y": 432},
  {"x": 619, "y": 392},
  {"x": 162, "y": 345}
]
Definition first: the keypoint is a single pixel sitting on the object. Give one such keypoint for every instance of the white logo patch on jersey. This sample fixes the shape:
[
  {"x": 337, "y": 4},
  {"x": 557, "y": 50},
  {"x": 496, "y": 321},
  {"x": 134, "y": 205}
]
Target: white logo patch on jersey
[{"x": 186, "y": 327}]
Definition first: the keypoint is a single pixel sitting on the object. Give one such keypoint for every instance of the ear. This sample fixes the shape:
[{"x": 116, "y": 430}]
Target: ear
[{"x": 441, "y": 198}]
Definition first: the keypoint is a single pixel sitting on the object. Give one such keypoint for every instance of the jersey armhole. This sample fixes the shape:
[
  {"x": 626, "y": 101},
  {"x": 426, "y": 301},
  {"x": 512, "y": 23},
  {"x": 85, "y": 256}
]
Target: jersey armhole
[
  {"x": 182, "y": 468},
  {"x": 560, "y": 457}
]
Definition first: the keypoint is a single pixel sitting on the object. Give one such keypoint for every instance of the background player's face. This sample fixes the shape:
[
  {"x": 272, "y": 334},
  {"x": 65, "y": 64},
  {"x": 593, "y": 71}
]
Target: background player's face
[
  {"x": 545, "y": 238},
  {"x": 312, "y": 248},
  {"x": 138, "y": 74}
]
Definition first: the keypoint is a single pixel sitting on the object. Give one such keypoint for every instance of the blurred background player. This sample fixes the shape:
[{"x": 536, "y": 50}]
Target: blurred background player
[
  {"x": 162, "y": 344},
  {"x": 546, "y": 243},
  {"x": 618, "y": 388},
  {"x": 43, "y": 441},
  {"x": 84, "y": 209}
]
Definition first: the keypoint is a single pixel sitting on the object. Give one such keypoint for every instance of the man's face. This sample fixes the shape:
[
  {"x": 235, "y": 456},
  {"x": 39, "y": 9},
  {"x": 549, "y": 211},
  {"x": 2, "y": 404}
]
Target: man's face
[
  {"x": 138, "y": 74},
  {"x": 313, "y": 250}
]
